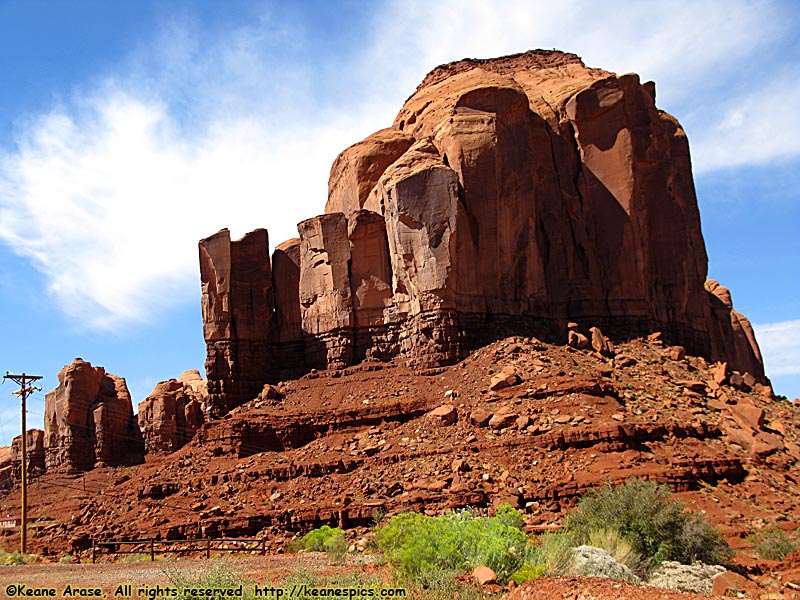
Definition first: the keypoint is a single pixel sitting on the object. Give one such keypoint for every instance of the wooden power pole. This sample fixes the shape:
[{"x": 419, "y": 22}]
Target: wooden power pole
[{"x": 24, "y": 391}]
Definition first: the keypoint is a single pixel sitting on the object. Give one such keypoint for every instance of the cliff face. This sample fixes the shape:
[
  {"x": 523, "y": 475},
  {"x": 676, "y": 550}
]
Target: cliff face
[
  {"x": 88, "y": 420},
  {"x": 172, "y": 413},
  {"x": 510, "y": 196}
]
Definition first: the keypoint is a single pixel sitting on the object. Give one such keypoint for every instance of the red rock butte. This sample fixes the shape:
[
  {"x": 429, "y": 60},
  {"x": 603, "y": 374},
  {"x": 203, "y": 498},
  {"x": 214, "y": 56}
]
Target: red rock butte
[{"x": 509, "y": 196}]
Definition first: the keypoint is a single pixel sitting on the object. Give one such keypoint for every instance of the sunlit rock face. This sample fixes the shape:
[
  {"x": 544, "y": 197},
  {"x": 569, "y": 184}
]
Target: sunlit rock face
[
  {"x": 89, "y": 421},
  {"x": 510, "y": 196}
]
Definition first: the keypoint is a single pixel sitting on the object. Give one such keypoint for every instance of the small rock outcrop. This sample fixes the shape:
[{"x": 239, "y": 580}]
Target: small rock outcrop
[
  {"x": 35, "y": 451},
  {"x": 172, "y": 413},
  {"x": 697, "y": 578},
  {"x": 511, "y": 196},
  {"x": 588, "y": 561},
  {"x": 89, "y": 420},
  {"x": 11, "y": 458}
]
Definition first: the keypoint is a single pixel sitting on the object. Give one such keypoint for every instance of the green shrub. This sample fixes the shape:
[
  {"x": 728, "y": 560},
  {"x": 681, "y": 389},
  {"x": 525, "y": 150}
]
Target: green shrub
[
  {"x": 457, "y": 542},
  {"x": 316, "y": 540},
  {"x": 657, "y": 527},
  {"x": 551, "y": 553},
  {"x": 336, "y": 548},
  {"x": 772, "y": 544},
  {"x": 311, "y": 579},
  {"x": 17, "y": 558},
  {"x": 218, "y": 576},
  {"x": 618, "y": 547},
  {"x": 138, "y": 557},
  {"x": 508, "y": 515},
  {"x": 527, "y": 572}
]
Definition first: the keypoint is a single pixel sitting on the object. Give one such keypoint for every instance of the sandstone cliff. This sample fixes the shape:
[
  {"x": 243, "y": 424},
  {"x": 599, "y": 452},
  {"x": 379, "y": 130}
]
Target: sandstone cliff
[
  {"x": 89, "y": 420},
  {"x": 510, "y": 196},
  {"x": 172, "y": 413}
]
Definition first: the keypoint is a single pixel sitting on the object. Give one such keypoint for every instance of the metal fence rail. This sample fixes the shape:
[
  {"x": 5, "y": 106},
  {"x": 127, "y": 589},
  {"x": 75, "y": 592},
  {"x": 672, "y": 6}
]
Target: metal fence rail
[{"x": 205, "y": 545}]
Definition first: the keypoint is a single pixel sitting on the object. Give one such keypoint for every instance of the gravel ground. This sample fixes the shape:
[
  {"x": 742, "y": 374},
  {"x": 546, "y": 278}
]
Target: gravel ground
[{"x": 109, "y": 575}]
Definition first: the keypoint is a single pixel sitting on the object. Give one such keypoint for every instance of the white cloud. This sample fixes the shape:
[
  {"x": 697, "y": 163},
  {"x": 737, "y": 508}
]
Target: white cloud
[
  {"x": 110, "y": 206},
  {"x": 756, "y": 128},
  {"x": 108, "y": 193},
  {"x": 690, "y": 44},
  {"x": 779, "y": 347}
]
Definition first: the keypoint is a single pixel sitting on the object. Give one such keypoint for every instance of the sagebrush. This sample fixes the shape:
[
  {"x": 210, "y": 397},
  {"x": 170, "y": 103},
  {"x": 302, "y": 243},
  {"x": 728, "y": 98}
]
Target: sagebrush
[
  {"x": 656, "y": 526},
  {"x": 772, "y": 544}
]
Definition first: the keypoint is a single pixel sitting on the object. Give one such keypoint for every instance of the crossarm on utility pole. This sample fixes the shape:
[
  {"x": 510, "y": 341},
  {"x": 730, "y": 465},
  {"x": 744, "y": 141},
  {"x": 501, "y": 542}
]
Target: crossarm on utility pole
[{"x": 24, "y": 391}]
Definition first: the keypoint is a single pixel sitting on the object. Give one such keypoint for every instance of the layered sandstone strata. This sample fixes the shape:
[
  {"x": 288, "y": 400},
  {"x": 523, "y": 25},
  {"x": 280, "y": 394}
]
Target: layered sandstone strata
[
  {"x": 510, "y": 196},
  {"x": 172, "y": 413},
  {"x": 35, "y": 453},
  {"x": 89, "y": 420}
]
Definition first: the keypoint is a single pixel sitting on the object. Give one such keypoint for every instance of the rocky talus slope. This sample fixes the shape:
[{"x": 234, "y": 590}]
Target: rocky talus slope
[{"x": 518, "y": 421}]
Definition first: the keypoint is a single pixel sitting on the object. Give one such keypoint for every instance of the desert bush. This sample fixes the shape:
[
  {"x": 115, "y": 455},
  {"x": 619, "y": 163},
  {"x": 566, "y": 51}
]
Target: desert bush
[
  {"x": 316, "y": 540},
  {"x": 138, "y": 557},
  {"x": 218, "y": 576},
  {"x": 421, "y": 546},
  {"x": 772, "y": 544},
  {"x": 349, "y": 580},
  {"x": 550, "y": 553},
  {"x": 336, "y": 548},
  {"x": 657, "y": 527},
  {"x": 17, "y": 558},
  {"x": 612, "y": 541},
  {"x": 527, "y": 572}
]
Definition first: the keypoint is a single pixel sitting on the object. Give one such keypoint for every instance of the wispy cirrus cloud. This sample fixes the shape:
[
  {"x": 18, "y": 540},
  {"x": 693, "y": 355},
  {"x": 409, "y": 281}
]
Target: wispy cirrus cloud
[
  {"x": 754, "y": 128},
  {"x": 779, "y": 347}
]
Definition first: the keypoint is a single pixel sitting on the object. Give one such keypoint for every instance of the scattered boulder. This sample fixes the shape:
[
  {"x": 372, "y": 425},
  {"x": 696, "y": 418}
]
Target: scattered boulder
[
  {"x": 766, "y": 444},
  {"x": 588, "y": 561},
  {"x": 480, "y": 417},
  {"x": 719, "y": 373},
  {"x": 733, "y": 584},
  {"x": 676, "y": 353},
  {"x": 505, "y": 417},
  {"x": 747, "y": 415},
  {"x": 270, "y": 393},
  {"x": 624, "y": 360},
  {"x": 599, "y": 341},
  {"x": 577, "y": 340},
  {"x": 697, "y": 578},
  {"x": 484, "y": 575},
  {"x": 447, "y": 414},
  {"x": 694, "y": 385},
  {"x": 507, "y": 377}
]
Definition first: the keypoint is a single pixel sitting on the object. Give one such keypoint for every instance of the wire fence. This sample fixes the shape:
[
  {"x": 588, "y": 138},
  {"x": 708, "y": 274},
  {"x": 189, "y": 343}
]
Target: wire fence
[{"x": 204, "y": 546}]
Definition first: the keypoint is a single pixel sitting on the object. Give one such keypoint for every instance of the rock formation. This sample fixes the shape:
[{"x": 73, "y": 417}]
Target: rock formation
[
  {"x": 510, "y": 196},
  {"x": 35, "y": 451},
  {"x": 172, "y": 413},
  {"x": 89, "y": 420}
]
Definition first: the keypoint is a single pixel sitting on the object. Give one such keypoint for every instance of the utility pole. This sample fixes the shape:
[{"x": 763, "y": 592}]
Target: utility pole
[{"x": 24, "y": 391}]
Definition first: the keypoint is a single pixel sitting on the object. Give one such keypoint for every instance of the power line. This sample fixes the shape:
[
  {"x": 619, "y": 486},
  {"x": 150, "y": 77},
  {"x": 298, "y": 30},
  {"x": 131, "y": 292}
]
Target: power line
[{"x": 24, "y": 391}]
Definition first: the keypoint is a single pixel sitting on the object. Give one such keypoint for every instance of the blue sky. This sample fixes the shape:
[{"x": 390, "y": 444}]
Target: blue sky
[{"x": 130, "y": 129}]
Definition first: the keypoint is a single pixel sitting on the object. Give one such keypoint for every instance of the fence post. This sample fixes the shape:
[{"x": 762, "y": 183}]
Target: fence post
[
  {"x": 208, "y": 547},
  {"x": 92, "y": 550},
  {"x": 152, "y": 550}
]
